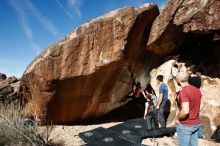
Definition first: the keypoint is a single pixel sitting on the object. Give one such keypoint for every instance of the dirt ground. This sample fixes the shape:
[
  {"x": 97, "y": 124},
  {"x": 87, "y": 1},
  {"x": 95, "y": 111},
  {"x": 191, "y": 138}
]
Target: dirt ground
[{"x": 68, "y": 136}]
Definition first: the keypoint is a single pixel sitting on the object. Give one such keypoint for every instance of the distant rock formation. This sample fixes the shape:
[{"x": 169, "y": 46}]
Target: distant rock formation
[
  {"x": 9, "y": 88},
  {"x": 2, "y": 76},
  {"x": 88, "y": 74}
]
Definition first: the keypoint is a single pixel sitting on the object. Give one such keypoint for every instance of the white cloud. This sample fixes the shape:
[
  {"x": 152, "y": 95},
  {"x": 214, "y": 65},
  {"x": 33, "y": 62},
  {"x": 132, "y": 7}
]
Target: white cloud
[
  {"x": 23, "y": 10},
  {"x": 61, "y": 6},
  {"x": 22, "y": 18},
  {"x": 46, "y": 23},
  {"x": 72, "y": 7},
  {"x": 35, "y": 46},
  {"x": 27, "y": 29},
  {"x": 75, "y": 5}
]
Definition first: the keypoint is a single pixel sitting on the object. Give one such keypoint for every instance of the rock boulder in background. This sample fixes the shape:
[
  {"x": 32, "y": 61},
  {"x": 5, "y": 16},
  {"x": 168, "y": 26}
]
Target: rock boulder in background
[
  {"x": 2, "y": 76},
  {"x": 9, "y": 88}
]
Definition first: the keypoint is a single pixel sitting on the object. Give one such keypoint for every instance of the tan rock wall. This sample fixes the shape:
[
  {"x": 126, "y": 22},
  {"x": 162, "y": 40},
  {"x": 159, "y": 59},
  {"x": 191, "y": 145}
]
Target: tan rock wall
[{"x": 180, "y": 17}]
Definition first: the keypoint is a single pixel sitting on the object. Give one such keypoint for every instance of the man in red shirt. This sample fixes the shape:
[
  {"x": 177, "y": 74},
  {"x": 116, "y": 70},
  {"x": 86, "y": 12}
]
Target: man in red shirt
[{"x": 188, "y": 121}]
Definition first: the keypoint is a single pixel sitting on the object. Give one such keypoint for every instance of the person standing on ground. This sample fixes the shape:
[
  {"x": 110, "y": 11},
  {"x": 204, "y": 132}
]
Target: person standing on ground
[
  {"x": 195, "y": 80},
  {"x": 150, "y": 106},
  {"x": 163, "y": 97},
  {"x": 187, "y": 119}
]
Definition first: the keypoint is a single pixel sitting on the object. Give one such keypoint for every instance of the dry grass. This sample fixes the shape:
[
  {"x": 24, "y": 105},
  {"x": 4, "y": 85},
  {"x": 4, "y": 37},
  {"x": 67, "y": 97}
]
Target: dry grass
[{"x": 14, "y": 131}]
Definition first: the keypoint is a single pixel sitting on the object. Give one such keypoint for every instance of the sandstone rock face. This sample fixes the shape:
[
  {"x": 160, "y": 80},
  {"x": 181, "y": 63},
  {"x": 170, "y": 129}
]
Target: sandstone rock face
[
  {"x": 89, "y": 72},
  {"x": 181, "y": 17},
  {"x": 198, "y": 15}
]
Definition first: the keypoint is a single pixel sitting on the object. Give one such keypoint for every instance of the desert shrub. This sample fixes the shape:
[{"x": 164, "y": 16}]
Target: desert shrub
[{"x": 14, "y": 130}]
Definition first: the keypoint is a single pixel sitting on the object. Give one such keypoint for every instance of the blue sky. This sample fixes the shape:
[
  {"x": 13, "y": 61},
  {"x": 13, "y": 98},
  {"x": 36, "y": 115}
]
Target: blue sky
[{"x": 27, "y": 27}]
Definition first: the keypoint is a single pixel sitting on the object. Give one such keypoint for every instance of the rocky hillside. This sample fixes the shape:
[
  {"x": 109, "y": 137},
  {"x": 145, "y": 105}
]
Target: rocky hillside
[
  {"x": 9, "y": 88},
  {"x": 91, "y": 71}
]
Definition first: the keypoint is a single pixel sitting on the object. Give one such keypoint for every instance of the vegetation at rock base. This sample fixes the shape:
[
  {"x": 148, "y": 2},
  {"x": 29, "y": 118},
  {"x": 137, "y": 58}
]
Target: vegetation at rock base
[{"x": 15, "y": 131}]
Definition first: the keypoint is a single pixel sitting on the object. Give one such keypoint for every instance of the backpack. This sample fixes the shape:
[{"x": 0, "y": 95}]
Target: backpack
[{"x": 151, "y": 108}]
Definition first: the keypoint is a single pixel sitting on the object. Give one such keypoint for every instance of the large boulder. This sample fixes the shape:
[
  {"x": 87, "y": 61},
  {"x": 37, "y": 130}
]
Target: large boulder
[
  {"x": 181, "y": 17},
  {"x": 88, "y": 73}
]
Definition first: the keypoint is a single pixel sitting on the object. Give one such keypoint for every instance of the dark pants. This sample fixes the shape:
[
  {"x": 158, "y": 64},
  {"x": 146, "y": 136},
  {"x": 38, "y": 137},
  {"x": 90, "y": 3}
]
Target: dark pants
[
  {"x": 151, "y": 121},
  {"x": 161, "y": 117}
]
